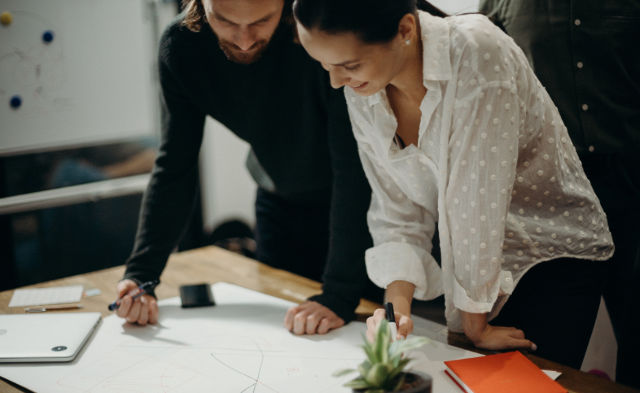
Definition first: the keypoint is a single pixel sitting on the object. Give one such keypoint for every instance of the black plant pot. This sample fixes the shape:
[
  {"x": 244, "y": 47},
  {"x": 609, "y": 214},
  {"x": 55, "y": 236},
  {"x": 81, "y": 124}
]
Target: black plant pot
[{"x": 420, "y": 383}]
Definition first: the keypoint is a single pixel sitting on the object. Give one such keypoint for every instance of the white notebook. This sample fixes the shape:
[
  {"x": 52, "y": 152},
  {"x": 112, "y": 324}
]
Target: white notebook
[
  {"x": 42, "y": 296},
  {"x": 56, "y": 337}
]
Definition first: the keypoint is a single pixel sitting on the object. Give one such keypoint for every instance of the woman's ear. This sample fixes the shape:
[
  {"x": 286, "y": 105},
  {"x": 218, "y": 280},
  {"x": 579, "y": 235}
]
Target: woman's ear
[{"x": 407, "y": 28}]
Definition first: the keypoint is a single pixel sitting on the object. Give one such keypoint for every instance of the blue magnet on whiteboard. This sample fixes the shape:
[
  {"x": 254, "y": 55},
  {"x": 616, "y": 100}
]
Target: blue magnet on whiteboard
[
  {"x": 15, "y": 102},
  {"x": 47, "y": 36}
]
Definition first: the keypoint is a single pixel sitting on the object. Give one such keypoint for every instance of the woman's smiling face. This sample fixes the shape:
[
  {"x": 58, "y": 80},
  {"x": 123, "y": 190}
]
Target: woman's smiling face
[{"x": 366, "y": 68}]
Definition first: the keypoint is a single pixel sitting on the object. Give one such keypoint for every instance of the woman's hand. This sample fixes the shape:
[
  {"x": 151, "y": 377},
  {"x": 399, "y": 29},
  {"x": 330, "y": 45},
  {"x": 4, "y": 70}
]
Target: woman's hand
[
  {"x": 400, "y": 293},
  {"x": 404, "y": 324},
  {"x": 500, "y": 337},
  {"x": 490, "y": 337}
]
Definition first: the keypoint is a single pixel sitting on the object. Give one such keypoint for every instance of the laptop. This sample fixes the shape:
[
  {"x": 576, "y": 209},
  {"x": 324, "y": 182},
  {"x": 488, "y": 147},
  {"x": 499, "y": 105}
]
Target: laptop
[{"x": 55, "y": 337}]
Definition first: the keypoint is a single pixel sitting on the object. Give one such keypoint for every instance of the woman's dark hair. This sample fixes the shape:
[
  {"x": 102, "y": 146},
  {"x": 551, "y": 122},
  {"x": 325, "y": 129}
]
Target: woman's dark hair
[
  {"x": 373, "y": 21},
  {"x": 195, "y": 18}
]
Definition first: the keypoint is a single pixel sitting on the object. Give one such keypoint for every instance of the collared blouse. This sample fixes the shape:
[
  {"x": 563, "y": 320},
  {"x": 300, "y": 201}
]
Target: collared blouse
[{"x": 494, "y": 168}]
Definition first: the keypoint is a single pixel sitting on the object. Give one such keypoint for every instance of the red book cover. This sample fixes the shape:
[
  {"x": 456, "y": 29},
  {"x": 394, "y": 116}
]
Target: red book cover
[{"x": 509, "y": 372}]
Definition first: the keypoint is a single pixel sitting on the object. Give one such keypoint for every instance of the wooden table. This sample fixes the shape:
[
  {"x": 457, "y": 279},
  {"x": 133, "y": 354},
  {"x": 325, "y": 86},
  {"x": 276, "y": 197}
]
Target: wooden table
[{"x": 212, "y": 264}]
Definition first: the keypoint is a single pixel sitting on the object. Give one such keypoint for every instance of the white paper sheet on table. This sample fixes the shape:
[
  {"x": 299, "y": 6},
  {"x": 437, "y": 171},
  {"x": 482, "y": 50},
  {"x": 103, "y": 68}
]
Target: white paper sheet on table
[
  {"x": 237, "y": 346},
  {"x": 44, "y": 296},
  {"x": 552, "y": 374}
]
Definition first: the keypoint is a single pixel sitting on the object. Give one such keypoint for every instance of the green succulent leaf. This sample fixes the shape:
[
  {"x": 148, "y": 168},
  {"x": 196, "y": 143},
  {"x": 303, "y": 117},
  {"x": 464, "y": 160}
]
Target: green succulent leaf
[
  {"x": 345, "y": 371},
  {"x": 358, "y": 383},
  {"x": 382, "y": 371},
  {"x": 402, "y": 346},
  {"x": 381, "y": 343},
  {"x": 399, "y": 384},
  {"x": 363, "y": 368},
  {"x": 377, "y": 375},
  {"x": 399, "y": 369},
  {"x": 395, "y": 360},
  {"x": 369, "y": 350}
]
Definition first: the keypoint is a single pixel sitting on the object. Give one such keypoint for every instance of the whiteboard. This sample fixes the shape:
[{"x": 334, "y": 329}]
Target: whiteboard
[
  {"x": 93, "y": 82},
  {"x": 237, "y": 346}
]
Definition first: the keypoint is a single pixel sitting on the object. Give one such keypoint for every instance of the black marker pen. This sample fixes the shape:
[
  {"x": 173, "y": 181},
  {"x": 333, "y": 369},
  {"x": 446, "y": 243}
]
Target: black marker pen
[{"x": 391, "y": 320}]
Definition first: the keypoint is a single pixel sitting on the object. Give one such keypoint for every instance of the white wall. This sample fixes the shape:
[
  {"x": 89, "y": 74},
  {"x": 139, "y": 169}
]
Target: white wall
[
  {"x": 456, "y": 6},
  {"x": 601, "y": 353},
  {"x": 227, "y": 188}
]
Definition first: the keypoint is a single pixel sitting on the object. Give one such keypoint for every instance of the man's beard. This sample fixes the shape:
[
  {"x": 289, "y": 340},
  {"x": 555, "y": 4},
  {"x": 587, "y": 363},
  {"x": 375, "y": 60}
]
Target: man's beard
[{"x": 239, "y": 56}]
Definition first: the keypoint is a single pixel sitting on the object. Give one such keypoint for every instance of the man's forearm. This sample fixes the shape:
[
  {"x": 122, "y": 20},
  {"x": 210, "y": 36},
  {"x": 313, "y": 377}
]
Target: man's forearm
[{"x": 345, "y": 274}]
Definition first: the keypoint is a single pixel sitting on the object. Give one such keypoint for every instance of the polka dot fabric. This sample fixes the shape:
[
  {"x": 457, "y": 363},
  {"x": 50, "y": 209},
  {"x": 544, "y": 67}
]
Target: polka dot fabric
[{"x": 494, "y": 167}]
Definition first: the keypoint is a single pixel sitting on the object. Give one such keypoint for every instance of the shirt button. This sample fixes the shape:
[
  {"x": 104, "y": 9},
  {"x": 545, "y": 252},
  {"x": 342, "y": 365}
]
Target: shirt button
[
  {"x": 577, "y": 22},
  {"x": 585, "y": 107},
  {"x": 592, "y": 148},
  {"x": 579, "y": 64}
]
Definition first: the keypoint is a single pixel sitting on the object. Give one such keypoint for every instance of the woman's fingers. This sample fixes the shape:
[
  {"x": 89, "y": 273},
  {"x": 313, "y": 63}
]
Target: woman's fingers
[
  {"x": 500, "y": 337},
  {"x": 524, "y": 344},
  {"x": 510, "y": 331},
  {"x": 405, "y": 325},
  {"x": 373, "y": 322}
]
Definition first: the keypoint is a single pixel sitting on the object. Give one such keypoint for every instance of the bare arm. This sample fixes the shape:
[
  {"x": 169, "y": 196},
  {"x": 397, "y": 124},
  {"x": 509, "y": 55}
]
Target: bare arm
[
  {"x": 400, "y": 293},
  {"x": 484, "y": 335}
]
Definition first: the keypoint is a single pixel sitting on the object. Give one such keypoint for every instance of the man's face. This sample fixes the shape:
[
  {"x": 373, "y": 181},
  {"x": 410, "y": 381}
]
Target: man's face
[{"x": 244, "y": 27}]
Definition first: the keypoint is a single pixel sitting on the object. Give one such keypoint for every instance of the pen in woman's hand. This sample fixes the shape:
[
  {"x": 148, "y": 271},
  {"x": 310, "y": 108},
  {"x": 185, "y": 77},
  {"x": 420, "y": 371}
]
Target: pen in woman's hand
[{"x": 391, "y": 320}]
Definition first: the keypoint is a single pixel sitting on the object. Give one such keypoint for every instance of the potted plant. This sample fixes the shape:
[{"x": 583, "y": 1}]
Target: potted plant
[{"x": 383, "y": 370}]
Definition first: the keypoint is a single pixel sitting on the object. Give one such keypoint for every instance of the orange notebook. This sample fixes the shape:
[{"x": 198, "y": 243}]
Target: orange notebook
[{"x": 509, "y": 372}]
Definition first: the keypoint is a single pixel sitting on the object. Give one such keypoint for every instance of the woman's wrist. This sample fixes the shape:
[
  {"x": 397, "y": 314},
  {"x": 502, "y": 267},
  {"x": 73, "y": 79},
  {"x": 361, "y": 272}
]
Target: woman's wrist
[
  {"x": 474, "y": 325},
  {"x": 400, "y": 293}
]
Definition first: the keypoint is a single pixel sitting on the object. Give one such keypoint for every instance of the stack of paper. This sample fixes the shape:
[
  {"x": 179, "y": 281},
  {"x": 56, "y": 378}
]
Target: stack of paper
[{"x": 42, "y": 296}]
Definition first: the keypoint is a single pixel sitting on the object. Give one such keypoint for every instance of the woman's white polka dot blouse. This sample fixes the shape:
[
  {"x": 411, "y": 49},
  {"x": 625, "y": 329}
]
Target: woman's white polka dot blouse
[{"x": 494, "y": 167}]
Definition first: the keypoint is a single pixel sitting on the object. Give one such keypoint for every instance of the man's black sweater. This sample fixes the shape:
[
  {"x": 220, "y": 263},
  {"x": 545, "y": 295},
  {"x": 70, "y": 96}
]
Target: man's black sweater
[{"x": 298, "y": 128}]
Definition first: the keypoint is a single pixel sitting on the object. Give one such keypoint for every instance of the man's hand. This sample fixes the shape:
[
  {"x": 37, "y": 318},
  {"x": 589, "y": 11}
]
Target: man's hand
[
  {"x": 143, "y": 310},
  {"x": 311, "y": 318},
  {"x": 491, "y": 337}
]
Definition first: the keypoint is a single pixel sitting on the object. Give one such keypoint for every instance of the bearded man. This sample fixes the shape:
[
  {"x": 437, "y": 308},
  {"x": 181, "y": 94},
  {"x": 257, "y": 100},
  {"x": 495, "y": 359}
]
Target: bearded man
[{"x": 237, "y": 61}]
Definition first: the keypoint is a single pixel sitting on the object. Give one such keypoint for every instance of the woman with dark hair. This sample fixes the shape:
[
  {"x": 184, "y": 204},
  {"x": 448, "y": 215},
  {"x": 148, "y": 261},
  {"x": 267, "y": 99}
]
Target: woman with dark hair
[{"x": 454, "y": 128}]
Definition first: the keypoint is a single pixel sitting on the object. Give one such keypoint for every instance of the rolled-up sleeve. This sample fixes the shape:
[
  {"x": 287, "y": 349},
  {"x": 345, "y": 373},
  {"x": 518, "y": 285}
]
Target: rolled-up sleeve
[{"x": 401, "y": 231}]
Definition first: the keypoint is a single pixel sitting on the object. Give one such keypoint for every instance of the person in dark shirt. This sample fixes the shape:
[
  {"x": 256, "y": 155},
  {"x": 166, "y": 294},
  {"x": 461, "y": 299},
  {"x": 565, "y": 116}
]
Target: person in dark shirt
[
  {"x": 585, "y": 53},
  {"x": 237, "y": 61}
]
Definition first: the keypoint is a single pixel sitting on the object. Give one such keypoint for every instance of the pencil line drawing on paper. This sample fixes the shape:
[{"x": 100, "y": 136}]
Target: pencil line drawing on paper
[
  {"x": 235, "y": 349},
  {"x": 255, "y": 380},
  {"x": 237, "y": 364}
]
